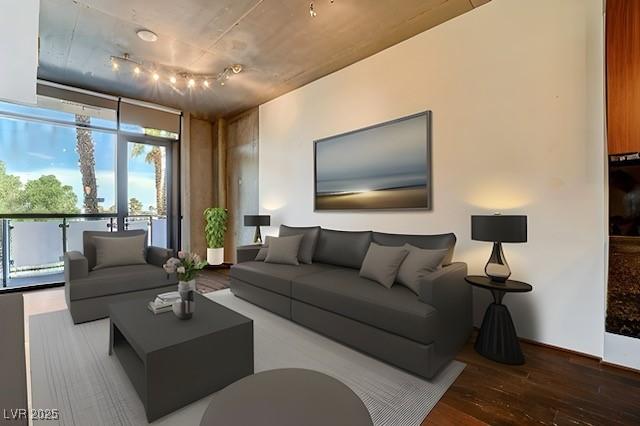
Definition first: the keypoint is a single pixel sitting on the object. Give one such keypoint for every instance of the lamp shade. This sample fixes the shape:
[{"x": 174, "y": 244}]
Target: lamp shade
[
  {"x": 499, "y": 228},
  {"x": 257, "y": 220}
]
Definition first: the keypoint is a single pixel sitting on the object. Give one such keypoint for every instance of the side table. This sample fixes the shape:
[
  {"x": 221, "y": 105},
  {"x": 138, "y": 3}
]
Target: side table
[{"x": 497, "y": 339}]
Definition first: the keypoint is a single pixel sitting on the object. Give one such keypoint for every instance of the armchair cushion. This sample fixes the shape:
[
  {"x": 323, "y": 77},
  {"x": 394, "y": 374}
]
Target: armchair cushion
[
  {"x": 89, "y": 246},
  {"x": 119, "y": 279},
  {"x": 120, "y": 251}
]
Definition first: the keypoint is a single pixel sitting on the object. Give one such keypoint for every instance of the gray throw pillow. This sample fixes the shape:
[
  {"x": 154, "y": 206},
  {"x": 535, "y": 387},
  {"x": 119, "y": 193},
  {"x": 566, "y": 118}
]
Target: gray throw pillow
[
  {"x": 262, "y": 253},
  {"x": 419, "y": 263},
  {"x": 284, "y": 250},
  {"x": 120, "y": 251},
  {"x": 382, "y": 262},
  {"x": 309, "y": 240}
]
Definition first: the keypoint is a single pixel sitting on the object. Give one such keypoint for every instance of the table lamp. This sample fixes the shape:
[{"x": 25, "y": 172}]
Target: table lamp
[
  {"x": 257, "y": 221},
  {"x": 498, "y": 229}
]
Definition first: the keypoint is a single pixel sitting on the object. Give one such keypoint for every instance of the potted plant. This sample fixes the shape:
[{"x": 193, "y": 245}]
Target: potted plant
[{"x": 214, "y": 229}]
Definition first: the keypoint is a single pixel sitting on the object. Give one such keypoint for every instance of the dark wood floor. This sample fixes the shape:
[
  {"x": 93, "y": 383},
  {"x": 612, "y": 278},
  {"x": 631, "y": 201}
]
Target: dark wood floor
[
  {"x": 552, "y": 388},
  {"x": 211, "y": 280}
]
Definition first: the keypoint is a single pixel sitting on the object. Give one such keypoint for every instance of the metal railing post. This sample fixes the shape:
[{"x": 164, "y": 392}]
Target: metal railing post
[
  {"x": 64, "y": 227},
  {"x": 150, "y": 230},
  {"x": 4, "y": 256}
]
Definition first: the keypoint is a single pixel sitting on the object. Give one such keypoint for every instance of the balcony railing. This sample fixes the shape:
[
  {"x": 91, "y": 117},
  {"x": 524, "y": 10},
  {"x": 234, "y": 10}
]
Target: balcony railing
[{"x": 32, "y": 245}]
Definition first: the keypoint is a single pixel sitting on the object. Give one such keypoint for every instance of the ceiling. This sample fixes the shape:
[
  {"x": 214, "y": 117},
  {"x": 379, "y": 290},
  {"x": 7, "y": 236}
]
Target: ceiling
[{"x": 280, "y": 46}]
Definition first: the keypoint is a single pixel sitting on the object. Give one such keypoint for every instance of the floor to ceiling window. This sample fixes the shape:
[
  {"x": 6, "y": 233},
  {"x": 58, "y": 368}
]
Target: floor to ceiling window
[{"x": 66, "y": 168}]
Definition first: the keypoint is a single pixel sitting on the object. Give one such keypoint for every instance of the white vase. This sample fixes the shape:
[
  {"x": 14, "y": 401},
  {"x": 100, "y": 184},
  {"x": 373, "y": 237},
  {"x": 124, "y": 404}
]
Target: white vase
[
  {"x": 186, "y": 286},
  {"x": 215, "y": 256}
]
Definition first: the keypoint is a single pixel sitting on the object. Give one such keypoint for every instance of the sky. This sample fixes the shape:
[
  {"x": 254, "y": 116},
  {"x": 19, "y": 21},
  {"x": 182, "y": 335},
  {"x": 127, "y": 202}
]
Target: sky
[{"x": 32, "y": 149}]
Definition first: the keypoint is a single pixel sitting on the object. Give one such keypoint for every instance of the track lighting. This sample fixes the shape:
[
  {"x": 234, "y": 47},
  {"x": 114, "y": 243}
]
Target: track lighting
[
  {"x": 175, "y": 78},
  {"x": 312, "y": 9}
]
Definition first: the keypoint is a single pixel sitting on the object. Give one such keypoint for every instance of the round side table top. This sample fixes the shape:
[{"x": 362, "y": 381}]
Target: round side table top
[
  {"x": 509, "y": 286},
  {"x": 287, "y": 397}
]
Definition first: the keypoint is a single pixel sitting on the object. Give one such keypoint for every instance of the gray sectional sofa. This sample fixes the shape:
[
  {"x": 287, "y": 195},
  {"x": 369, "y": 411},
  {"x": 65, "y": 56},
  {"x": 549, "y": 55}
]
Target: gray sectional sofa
[
  {"x": 89, "y": 291},
  {"x": 418, "y": 333}
]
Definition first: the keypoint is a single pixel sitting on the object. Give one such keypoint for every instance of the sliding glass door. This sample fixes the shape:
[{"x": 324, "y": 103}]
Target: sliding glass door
[{"x": 147, "y": 203}]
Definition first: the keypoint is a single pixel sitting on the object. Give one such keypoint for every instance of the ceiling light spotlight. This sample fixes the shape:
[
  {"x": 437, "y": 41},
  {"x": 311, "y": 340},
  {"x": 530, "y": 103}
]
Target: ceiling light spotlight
[
  {"x": 114, "y": 65},
  {"x": 312, "y": 11},
  {"x": 147, "y": 35},
  {"x": 191, "y": 83},
  {"x": 206, "y": 83},
  {"x": 237, "y": 68},
  {"x": 136, "y": 70},
  {"x": 155, "y": 76},
  {"x": 173, "y": 79}
]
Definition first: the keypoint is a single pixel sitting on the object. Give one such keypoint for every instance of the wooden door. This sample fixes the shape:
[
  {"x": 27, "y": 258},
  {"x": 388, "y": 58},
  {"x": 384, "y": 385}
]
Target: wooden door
[{"x": 623, "y": 76}]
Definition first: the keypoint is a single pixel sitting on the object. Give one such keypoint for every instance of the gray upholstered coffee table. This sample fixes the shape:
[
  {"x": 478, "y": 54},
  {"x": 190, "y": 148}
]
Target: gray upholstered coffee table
[
  {"x": 287, "y": 397},
  {"x": 160, "y": 353}
]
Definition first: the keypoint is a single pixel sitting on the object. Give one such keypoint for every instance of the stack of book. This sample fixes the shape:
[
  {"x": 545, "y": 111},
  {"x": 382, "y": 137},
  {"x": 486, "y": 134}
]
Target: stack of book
[{"x": 163, "y": 302}]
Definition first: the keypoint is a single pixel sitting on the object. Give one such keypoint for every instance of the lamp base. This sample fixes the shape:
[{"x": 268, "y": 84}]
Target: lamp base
[
  {"x": 257, "y": 237},
  {"x": 497, "y": 267}
]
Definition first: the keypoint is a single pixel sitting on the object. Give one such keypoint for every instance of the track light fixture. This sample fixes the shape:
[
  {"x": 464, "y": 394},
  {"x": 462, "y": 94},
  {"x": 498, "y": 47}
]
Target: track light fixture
[
  {"x": 312, "y": 9},
  {"x": 175, "y": 78}
]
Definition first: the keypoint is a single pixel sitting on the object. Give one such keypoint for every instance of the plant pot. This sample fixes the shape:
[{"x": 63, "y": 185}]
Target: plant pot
[{"x": 215, "y": 256}]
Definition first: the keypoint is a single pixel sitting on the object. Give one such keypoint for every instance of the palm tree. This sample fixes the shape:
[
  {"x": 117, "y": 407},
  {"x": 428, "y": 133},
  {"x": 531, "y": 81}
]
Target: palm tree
[
  {"x": 87, "y": 163},
  {"x": 154, "y": 156}
]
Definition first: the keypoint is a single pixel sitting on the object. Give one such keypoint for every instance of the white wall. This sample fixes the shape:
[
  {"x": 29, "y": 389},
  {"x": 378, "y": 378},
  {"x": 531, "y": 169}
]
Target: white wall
[
  {"x": 19, "y": 20},
  {"x": 516, "y": 90}
]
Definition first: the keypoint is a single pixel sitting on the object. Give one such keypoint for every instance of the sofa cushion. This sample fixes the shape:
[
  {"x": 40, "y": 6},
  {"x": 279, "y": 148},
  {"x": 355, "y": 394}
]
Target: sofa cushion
[
  {"x": 89, "y": 247},
  {"x": 432, "y": 242},
  {"x": 309, "y": 240},
  {"x": 418, "y": 264},
  {"x": 343, "y": 248},
  {"x": 272, "y": 276},
  {"x": 284, "y": 250},
  {"x": 396, "y": 310},
  {"x": 119, "y": 279},
  {"x": 381, "y": 263}
]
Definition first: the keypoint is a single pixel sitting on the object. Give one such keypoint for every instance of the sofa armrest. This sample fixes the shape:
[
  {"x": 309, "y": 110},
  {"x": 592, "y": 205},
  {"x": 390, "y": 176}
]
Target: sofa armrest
[
  {"x": 76, "y": 266},
  {"x": 247, "y": 253},
  {"x": 158, "y": 256},
  {"x": 448, "y": 292},
  {"x": 437, "y": 287}
]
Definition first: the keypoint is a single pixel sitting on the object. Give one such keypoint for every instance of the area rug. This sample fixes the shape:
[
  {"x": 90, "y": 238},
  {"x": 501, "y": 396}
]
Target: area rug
[{"x": 72, "y": 371}]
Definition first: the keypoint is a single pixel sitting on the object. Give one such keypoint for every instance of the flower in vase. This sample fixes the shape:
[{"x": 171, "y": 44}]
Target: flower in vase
[
  {"x": 181, "y": 270},
  {"x": 182, "y": 255}
]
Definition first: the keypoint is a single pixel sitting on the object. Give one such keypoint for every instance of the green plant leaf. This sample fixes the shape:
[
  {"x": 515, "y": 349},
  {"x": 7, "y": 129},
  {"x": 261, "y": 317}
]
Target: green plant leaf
[{"x": 215, "y": 226}]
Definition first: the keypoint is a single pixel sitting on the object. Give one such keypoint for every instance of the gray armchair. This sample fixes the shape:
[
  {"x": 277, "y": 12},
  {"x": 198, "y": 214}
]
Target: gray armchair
[{"x": 89, "y": 291}]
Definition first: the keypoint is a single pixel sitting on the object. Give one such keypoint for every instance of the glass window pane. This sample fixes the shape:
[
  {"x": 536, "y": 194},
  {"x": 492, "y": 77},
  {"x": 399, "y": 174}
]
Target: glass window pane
[
  {"x": 47, "y": 168},
  {"x": 77, "y": 226},
  {"x": 147, "y": 183}
]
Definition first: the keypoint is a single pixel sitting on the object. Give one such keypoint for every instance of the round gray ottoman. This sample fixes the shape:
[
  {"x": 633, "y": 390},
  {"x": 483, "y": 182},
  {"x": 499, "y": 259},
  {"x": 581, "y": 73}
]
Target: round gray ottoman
[{"x": 287, "y": 397}]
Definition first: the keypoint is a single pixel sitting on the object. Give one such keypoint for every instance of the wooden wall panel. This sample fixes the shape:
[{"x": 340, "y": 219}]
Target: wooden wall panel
[
  {"x": 623, "y": 76},
  {"x": 201, "y": 181},
  {"x": 242, "y": 178}
]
